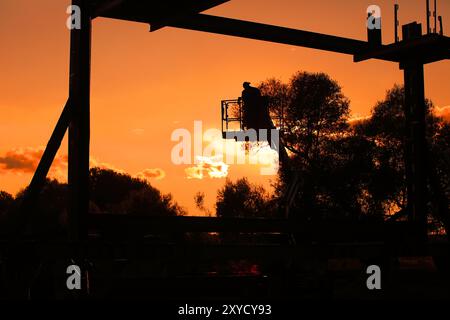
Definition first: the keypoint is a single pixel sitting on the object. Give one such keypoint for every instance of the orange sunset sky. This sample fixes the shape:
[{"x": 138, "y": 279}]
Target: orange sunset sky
[{"x": 145, "y": 85}]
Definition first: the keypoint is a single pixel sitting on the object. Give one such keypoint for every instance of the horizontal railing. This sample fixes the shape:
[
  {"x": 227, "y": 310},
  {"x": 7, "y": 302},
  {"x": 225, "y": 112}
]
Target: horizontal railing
[{"x": 332, "y": 230}]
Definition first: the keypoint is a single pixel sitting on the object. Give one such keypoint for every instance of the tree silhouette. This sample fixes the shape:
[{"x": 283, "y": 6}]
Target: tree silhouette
[
  {"x": 277, "y": 93},
  {"x": 149, "y": 201},
  {"x": 316, "y": 111},
  {"x": 386, "y": 129},
  {"x": 439, "y": 161},
  {"x": 110, "y": 192},
  {"x": 108, "y": 188},
  {"x": 6, "y": 201},
  {"x": 199, "y": 200},
  {"x": 119, "y": 193},
  {"x": 49, "y": 214},
  {"x": 315, "y": 116},
  {"x": 243, "y": 199},
  {"x": 348, "y": 170}
]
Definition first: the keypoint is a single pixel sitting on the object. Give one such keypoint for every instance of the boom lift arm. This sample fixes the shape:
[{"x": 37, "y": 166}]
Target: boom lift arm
[{"x": 233, "y": 128}]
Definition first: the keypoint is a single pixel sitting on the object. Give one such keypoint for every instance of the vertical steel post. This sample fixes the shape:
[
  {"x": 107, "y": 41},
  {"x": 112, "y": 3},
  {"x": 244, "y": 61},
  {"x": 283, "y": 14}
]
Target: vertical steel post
[
  {"x": 79, "y": 135},
  {"x": 79, "y": 128},
  {"x": 415, "y": 111}
]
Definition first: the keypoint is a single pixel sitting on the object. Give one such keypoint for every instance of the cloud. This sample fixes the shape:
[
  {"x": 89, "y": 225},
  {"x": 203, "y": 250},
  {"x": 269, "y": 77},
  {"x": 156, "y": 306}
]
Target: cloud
[
  {"x": 207, "y": 167},
  {"x": 443, "y": 112},
  {"x": 25, "y": 161},
  {"x": 20, "y": 160},
  {"x": 147, "y": 174}
]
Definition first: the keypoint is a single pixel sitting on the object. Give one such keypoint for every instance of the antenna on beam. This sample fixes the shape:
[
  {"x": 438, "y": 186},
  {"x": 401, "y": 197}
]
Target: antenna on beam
[
  {"x": 435, "y": 16},
  {"x": 440, "y": 24},
  {"x": 396, "y": 23},
  {"x": 428, "y": 16}
]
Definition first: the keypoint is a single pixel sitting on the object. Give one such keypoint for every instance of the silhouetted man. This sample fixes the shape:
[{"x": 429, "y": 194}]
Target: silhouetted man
[{"x": 252, "y": 106}]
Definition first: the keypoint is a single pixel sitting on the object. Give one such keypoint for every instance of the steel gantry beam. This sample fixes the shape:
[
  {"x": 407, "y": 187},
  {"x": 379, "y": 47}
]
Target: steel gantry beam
[{"x": 270, "y": 33}]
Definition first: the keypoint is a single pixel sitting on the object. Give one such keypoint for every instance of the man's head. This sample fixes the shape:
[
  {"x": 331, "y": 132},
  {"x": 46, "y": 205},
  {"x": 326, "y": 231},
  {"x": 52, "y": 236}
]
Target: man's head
[{"x": 246, "y": 85}]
